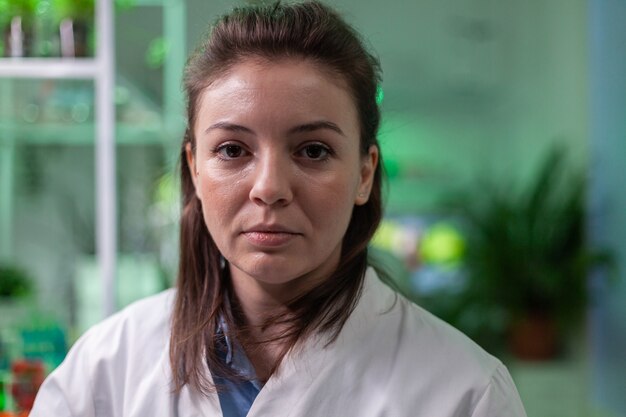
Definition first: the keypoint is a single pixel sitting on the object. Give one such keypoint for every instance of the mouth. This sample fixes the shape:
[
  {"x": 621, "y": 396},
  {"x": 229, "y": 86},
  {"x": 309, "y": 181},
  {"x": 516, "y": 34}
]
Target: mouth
[{"x": 270, "y": 235}]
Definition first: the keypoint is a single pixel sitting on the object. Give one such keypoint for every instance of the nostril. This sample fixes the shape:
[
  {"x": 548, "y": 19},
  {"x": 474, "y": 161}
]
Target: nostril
[
  {"x": 270, "y": 196},
  {"x": 271, "y": 191}
]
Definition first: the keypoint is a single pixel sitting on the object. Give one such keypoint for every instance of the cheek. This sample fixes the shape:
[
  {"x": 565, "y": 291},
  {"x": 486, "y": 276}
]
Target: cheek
[
  {"x": 218, "y": 200},
  {"x": 331, "y": 203},
  {"x": 217, "y": 187}
]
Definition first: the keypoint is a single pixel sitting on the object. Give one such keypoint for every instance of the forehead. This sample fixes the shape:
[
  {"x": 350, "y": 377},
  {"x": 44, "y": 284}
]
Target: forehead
[
  {"x": 279, "y": 69},
  {"x": 278, "y": 89}
]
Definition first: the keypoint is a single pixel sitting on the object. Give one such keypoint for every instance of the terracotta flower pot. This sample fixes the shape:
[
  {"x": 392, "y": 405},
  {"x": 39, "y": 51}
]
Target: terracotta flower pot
[{"x": 534, "y": 338}]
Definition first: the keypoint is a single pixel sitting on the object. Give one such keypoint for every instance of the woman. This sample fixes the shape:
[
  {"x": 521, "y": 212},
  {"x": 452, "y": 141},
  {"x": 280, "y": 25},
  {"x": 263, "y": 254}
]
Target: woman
[{"x": 276, "y": 311}]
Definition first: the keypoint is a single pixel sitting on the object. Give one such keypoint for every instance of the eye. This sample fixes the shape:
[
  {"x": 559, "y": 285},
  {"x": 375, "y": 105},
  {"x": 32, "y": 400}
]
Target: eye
[
  {"x": 230, "y": 151},
  {"x": 315, "y": 151}
]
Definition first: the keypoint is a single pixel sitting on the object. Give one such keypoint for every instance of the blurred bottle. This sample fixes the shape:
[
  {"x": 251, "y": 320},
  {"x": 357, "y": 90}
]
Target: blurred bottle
[
  {"x": 75, "y": 20},
  {"x": 28, "y": 375},
  {"x": 16, "y": 38},
  {"x": 17, "y": 27}
]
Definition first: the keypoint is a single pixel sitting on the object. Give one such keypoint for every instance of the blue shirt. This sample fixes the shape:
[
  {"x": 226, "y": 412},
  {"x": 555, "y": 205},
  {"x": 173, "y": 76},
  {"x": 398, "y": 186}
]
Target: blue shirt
[{"x": 236, "y": 396}]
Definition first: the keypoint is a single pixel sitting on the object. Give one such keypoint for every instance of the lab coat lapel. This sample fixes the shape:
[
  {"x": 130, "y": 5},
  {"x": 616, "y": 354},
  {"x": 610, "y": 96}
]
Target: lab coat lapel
[
  {"x": 311, "y": 375},
  {"x": 192, "y": 404}
]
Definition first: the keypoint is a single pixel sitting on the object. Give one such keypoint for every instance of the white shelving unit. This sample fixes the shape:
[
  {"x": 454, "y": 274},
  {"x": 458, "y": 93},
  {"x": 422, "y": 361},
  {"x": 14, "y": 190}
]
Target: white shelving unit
[{"x": 101, "y": 70}]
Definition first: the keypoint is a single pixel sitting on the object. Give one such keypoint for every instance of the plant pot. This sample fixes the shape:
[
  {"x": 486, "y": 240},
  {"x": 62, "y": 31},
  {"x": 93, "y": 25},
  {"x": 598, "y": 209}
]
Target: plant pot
[{"x": 534, "y": 337}]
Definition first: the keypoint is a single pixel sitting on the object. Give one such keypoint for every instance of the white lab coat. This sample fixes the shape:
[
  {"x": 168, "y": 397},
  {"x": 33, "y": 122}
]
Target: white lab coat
[{"x": 392, "y": 359}]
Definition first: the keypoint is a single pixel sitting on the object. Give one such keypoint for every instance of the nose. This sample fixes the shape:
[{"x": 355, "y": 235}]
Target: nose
[{"x": 272, "y": 184}]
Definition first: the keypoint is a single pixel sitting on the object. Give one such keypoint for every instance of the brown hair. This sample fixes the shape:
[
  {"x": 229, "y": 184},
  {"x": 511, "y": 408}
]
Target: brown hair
[{"x": 309, "y": 31}]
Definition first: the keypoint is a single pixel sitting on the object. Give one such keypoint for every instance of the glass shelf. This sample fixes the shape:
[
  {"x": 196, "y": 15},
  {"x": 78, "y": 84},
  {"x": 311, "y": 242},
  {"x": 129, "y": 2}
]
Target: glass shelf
[
  {"x": 45, "y": 68},
  {"x": 83, "y": 134}
]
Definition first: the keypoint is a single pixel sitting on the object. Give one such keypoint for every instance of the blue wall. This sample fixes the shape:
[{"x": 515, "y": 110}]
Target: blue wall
[{"x": 608, "y": 196}]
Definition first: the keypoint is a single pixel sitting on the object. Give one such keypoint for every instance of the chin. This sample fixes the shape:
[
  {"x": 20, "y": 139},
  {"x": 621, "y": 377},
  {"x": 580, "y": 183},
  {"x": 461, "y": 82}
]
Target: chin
[
  {"x": 274, "y": 271},
  {"x": 269, "y": 270}
]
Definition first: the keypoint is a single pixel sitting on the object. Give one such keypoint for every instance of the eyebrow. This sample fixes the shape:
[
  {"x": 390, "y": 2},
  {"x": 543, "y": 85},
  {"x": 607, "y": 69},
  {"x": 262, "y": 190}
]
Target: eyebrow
[
  {"x": 313, "y": 126},
  {"x": 303, "y": 128},
  {"x": 232, "y": 127}
]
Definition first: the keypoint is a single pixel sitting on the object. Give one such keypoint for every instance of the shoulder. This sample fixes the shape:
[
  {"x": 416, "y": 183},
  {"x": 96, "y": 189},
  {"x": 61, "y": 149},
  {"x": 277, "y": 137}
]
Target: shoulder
[
  {"x": 440, "y": 354},
  {"x": 140, "y": 332},
  {"x": 424, "y": 354},
  {"x": 412, "y": 329},
  {"x": 113, "y": 359},
  {"x": 391, "y": 328},
  {"x": 439, "y": 343},
  {"x": 149, "y": 316}
]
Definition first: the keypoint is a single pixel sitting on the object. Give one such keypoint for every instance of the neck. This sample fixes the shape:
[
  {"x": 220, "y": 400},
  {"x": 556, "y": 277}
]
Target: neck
[
  {"x": 261, "y": 299},
  {"x": 257, "y": 302}
]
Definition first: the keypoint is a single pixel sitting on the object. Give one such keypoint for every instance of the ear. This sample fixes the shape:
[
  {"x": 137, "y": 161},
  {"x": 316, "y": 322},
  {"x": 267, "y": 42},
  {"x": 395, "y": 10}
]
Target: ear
[
  {"x": 191, "y": 165},
  {"x": 369, "y": 163}
]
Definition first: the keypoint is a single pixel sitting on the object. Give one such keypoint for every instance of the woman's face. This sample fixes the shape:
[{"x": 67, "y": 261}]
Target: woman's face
[{"x": 278, "y": 170}]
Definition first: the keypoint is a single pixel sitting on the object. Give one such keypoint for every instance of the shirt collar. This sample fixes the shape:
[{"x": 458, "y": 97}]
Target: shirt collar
[{"x": 236, "y": 357}]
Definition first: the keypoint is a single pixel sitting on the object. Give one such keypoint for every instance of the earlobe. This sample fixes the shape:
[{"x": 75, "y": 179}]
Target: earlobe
[{"x": 368, "y": 169}]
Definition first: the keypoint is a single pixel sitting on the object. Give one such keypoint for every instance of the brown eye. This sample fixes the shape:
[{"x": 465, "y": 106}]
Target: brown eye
[
  {"x": 231, "y": 151},
  {"x": 315, "y": 151}
]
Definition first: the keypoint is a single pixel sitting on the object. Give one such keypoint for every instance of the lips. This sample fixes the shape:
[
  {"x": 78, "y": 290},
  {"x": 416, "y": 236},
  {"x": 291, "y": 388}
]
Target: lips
[{"x": 270, "y": 235}]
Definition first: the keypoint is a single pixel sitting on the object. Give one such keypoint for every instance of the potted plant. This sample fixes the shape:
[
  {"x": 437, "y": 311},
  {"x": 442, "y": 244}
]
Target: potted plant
[
  {"x": 16, "y": 288},
  {"x": 14, "y": 283},
  {"x": 527, "y": 257}
]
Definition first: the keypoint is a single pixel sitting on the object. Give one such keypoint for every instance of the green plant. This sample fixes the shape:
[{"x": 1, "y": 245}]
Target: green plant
[
  {"x": 22, "y": 8},
  {"x": 14, "y": 283},
  {"x": 527, "y": 252},
  {"x": 4, "y": 13},
  {"x": 82, "y": 10}
]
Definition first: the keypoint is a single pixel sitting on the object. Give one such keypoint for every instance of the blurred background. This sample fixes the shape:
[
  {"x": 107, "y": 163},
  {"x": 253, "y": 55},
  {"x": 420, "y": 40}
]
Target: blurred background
[{"x": 503, "y": 135}]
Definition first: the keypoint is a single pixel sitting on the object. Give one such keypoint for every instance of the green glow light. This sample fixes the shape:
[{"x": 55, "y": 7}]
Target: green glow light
[
  {"x": 385, "y": 235},
  {"x": 380, "y": 95},
  {"x": 392, "y": 167},
  {"x": 442, "y": 244},
  {"x": 157, "y": 52}
]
